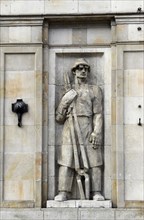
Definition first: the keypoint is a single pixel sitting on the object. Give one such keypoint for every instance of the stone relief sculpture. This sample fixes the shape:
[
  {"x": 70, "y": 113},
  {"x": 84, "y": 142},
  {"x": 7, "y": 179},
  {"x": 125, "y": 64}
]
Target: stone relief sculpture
[{"x": 81, "y": 112}]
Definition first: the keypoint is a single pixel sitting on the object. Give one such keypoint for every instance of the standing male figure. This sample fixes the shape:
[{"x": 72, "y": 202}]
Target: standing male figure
[{"x": 87, "y": 103}]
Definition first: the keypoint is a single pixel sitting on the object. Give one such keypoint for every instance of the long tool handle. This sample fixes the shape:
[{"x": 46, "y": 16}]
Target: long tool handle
[
  {"x": 80, "y": 186},
  {"x": 87, "y": 186},
  {"x": 82, "y": 147},
  {"x": 76, "y": 157}
]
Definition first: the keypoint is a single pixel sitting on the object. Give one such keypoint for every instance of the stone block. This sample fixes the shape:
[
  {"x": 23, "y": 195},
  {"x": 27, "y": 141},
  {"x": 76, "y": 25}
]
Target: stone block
[
  {"x": 20, "y": 61},
  {"x": 134, "y": 190},
  {"x": 19, "y": 190},
  {"x": 129, "y": 58},
  {"x": 61, "y": 213},
  {"x": 98, "y": 34},
  {"x": 23, "y": 142},
  {"x": 4, "y": 34},
  {"x": 5, "y": 7},
  {"x": 36, "y": 34},
  {"x": 26, "y": 214},
  {"x": 107, "y": 99},
  {"x": 19, "y": 34},
  {"x": 134, "y": 34},
  {"x": 107, "y": 132},
  {"x": 131, "y": 111},
  {"x": 19, "y": 166},
  {"x": 122, "y": 32},
  {"x": 79, "y": 204},
  {"x": 79, "y": 36},
  {"x": 19, "y": 176},
  {"x": 133, "y": 83},
  {"x": 63, "y": 6},
  {"x": 51, "y": 129},
  {"x": 60, "y": 36},
  {"x": 1, "y": 166},
  {"x": 31, "y": 7},
  {"x": 94, "y": 6},
  {"x": 118, "y": 6},
  {"x": 20, "y": 84},
  {"x": 93, "y": 213},
  {"x": 133, "y": 138},
  {"x": 134, "y": 166},
  {"x": 51, "y": 101},
  {"x": 107, "y": 172},
  {"x": 119, "y": 111},
  {"x": 130, "y": 214}
]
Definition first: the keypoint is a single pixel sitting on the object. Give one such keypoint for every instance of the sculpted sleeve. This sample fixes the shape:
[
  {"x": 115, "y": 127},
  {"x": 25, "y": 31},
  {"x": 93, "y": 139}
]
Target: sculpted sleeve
[
  {"x": 64, "y": 104},
  {"x": 97, "y": 100}
]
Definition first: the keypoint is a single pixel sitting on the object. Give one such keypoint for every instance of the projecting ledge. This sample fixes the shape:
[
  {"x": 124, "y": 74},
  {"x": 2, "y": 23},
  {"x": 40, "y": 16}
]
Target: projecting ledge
[{"x": 79, "y": 204}]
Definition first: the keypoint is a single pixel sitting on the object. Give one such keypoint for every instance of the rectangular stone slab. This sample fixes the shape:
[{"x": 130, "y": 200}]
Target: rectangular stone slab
[{"x": 79, "y": 204}]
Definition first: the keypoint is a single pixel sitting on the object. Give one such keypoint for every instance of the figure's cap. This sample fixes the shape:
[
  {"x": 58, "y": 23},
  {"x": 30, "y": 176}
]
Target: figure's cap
[{"x": 79, "y": 62}]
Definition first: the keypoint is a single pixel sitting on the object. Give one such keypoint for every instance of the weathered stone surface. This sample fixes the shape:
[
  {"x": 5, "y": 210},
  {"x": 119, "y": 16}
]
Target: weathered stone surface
[
  {"x": 93, "y": 213},
  {"x": 61, "y": 213},
  {"x": 79, "y": 204}
]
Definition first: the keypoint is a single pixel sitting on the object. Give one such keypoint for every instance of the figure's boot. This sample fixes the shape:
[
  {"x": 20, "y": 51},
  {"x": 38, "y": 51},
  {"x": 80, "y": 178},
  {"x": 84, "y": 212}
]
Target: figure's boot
[
  {"x": 64, "y": 183},
  {"x": 96, "y": 175},
  {"x": 98, "y": 196},
  {"x": 61, "y": 196}
]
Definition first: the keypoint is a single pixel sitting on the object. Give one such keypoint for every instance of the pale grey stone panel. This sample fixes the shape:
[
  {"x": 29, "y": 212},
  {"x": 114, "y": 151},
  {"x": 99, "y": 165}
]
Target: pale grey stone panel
[
  {"x": 79, "y": 204},
  {"x": 107, "y": 172},
  {"x": 61, "y": 213},
  {"x": 134, "y": 190},
  {"x": 79, "y": 36},
  {"x": 122, "y": 32},
  {"x": 92, "y": 214},
  {"x": 19, "y": 34},
  {"x": 131, "y": 111},
  {"x": 94, "y": 6},
  {"x": 130, "y": 214},
  {"x": 5, "y": 7},
  {"x": 125, "y": 6},
  {"x": 107, "y": 99},
  {"x": 132, "y": 142},
  {"x": 21, "y": 214},
  {"x": 134, "y": 175},
  {"x": 134, "y": 82},
  {"x": 36, "y": 34},
  {"x": 63, "y": 6},
  {"x": 107, "y": 130},
  {"x": 31, "y": 7},
  {"x": 1, "y": 167},
  {"x": 4, "y": 34},
  {"x": 131, "y": 57},
  {"x": 134, "y": 166},
  {"x": 134, "y": 34},
  {"x": 22, "y": 143},
  {"x": 19, "y": 62},
  {"x": 60, "y": 36},
  {"x": 98, "y": 35},
  {"x": 18, "y": 166}
]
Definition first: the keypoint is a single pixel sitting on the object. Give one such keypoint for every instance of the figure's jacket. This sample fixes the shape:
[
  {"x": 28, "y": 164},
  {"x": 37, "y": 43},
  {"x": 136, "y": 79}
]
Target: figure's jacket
[{"x": 88, "y": 102}]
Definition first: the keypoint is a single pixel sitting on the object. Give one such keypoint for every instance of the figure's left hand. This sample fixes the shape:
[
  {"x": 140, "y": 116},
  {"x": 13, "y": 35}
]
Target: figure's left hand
[{"x": 95, "y": 140}]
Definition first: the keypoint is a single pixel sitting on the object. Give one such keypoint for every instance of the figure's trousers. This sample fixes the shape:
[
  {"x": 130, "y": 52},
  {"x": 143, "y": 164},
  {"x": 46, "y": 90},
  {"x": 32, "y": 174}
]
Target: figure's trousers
[{"x": 66, "y": 175}]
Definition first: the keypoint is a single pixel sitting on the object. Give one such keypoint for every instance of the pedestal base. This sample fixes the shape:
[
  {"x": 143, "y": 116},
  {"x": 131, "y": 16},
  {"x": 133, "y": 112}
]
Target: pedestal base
[{"x": 79, "y": 204}]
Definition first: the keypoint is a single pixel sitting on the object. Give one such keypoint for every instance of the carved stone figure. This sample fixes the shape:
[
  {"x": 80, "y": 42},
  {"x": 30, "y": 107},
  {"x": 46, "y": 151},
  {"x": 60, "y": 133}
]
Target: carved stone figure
[{"x": 81, "y": 112}]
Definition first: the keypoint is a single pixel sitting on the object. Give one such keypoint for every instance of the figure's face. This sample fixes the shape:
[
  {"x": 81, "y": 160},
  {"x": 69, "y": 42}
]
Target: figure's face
[{"x": 81, "y": 71}]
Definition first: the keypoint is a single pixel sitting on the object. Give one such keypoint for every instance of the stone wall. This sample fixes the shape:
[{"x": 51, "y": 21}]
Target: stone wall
[
  {"x": 37, "y": 45},
  {"x": 54, "y": 7},
  {"x": 72, "y": 214}
]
